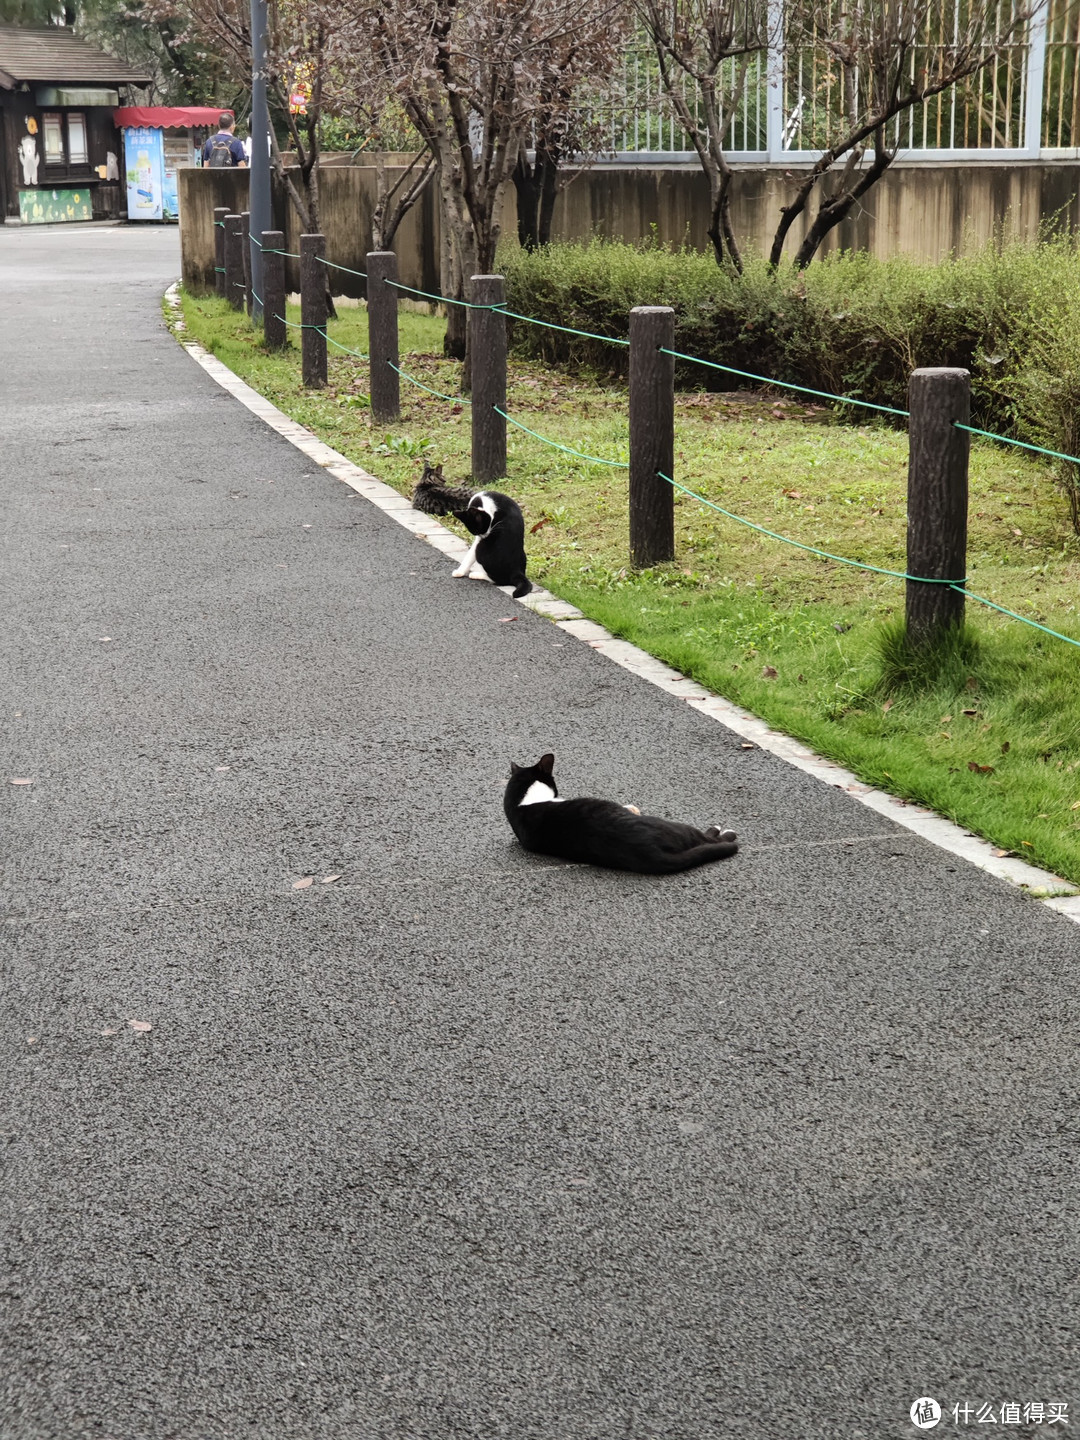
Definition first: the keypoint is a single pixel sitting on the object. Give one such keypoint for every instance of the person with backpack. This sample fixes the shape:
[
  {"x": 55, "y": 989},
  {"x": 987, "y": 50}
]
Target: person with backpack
[{"x": 224, "y": 150}]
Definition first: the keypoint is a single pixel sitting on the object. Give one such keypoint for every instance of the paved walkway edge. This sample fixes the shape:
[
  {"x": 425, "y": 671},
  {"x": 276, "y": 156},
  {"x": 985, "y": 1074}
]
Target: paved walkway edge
[{"x": 1051, "y": 890}]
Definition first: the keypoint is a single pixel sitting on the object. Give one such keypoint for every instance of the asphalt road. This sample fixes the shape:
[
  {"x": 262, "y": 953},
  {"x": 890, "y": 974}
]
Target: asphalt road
[{"x": 466, "y": 1143}]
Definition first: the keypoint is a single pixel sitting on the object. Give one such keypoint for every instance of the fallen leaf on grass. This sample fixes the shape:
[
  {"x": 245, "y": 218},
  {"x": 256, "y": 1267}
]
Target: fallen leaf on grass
[
  {"x": 946, "y": 719},
  {"x": 980, "y": 769},
  {"x": 792, "y": 494},
  {"x": 971, "y": 683},
  {"x": 544, "y": 520},
  {"x": 303, "y": 884},
  {"x": 887, "y": 706},
  {"x": 142, "y": 1026},
  {"x": 1005, "y": 748},
  {"x": 1028, "y": 844},
  {"x": 1002, "y": 853},
  {"x": 1075, "y": 805},
  {"x": 507, "y": 619},
  {"x": 971, "y": 712},
  {"x": 768, "y": 672}
]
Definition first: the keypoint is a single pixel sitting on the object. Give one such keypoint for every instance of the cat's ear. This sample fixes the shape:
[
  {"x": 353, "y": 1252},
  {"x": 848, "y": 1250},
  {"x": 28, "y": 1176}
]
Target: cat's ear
[
  {"x": 514, "y": 769},
  {"x": 438, "y": 470},
  {"x": 546, "y": 764}
]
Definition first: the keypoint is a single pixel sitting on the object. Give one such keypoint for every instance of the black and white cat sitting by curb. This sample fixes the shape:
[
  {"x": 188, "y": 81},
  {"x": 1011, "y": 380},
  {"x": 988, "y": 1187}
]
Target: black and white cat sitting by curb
[
  {"x": 601, "y": 832},
  {"x": 495, "y": 520}
]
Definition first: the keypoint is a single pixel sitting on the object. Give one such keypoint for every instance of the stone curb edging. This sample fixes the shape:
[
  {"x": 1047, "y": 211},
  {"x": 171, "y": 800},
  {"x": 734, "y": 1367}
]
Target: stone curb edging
[{"x": 924, "y": 823}]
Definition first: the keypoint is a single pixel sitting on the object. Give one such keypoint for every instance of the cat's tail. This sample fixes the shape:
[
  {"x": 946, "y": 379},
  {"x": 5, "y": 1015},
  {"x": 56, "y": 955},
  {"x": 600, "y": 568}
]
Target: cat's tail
[{"x": 522, "y": 587}]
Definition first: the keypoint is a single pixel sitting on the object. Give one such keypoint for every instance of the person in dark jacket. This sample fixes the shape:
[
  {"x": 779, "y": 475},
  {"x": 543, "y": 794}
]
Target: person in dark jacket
[{"x": 224, "y": 150}]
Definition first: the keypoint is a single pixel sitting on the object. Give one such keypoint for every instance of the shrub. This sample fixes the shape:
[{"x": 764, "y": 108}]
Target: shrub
[{"x": 850, "y": 323}]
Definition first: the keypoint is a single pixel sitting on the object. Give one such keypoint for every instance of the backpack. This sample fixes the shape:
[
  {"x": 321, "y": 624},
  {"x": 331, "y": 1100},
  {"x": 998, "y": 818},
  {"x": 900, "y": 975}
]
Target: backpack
[{"x": 220, "y": 152}]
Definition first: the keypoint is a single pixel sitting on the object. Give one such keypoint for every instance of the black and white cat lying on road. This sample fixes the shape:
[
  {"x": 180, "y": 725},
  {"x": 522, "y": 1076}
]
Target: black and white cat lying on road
[
  {"x": 495, "y": 520},
  {"x": 600, "y": 832}
]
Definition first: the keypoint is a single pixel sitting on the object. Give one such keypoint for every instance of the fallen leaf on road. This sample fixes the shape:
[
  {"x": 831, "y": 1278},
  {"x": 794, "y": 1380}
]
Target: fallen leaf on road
[
  {"x": 31, "y": 1039},
  {"x": 329, "y": 879},
  {"x": 140, "y": 1025},
  {"x": 108, "y": 1032},
  {"x": 507, "y": 619},
  {"x": 1002, "y": 853},
  {"x": 219, "y": 768},
  {"x": 303, "y": 884},
  {"x": 105, "y": 639},
  {"x": 747, "y": 746},
  {"x": 20, "y": 782}
]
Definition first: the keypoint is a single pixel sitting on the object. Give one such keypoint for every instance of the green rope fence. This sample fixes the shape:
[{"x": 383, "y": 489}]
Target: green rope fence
[
  {"x": 958, "y": 585},
  {"x": 566, "y": 449}
]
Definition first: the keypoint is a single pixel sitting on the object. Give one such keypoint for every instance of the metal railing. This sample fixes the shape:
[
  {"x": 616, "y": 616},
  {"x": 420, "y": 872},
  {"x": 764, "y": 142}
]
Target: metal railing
[{"x": 1024, "y": 102}]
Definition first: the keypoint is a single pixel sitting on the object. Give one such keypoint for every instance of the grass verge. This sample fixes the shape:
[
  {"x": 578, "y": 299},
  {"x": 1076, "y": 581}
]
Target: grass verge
[{"x": 990, "y": 738}]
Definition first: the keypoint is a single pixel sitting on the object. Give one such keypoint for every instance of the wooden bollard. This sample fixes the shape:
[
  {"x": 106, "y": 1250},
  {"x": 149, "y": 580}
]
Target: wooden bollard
[
  {"x": 245, "y": 230},
  {"x": 382, "y": 308},
  {"x": 219, "y": 248},
  {"x": 313, "y": 309},
  {"x": 234, "y": 261},
  {"x": 275, "y": 335},
  {"x": 487, "y": 354},
  {"x": 652, "y": 435},
  {"x": 937, "y": 499}
]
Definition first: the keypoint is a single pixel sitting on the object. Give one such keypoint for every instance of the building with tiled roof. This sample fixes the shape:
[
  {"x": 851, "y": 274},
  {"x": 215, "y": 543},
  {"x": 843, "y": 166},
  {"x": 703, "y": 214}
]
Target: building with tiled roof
[{"x": 60, "y": 150}]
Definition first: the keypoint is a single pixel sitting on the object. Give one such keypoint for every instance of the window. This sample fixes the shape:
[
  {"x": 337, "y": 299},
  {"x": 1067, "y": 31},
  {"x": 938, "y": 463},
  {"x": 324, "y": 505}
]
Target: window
[
  {"x": 76, "y": 130},
  {"x": 53, "y": 134}
]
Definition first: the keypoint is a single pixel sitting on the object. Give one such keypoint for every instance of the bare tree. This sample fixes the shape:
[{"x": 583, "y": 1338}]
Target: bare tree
[
  {"x": 889, "y": 56},
  {"x": 881, "y": 58},
  {"x": 706, "y": 50},
  {"x": 470, "y": 75},
  {"x": 566, "y": 133}
]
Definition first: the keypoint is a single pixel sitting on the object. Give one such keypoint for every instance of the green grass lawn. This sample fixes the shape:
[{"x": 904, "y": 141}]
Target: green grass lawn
[{"x": 992, "y": 741}]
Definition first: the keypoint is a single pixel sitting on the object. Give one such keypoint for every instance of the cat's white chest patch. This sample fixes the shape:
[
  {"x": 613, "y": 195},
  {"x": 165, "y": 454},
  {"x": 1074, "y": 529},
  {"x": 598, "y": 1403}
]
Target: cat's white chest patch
[{"x": 537, "y": 793}]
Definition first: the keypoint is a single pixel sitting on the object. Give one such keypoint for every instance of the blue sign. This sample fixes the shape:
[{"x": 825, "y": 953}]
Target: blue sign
[{"x": 145, "y": 164}]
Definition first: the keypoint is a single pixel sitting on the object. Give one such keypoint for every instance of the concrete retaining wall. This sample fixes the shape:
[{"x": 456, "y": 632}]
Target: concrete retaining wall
[{"x": 920, "y": 210}]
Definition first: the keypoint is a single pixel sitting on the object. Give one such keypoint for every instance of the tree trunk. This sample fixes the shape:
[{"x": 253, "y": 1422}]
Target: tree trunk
[
  {"x": 549, "y": 188},
  {"x": 527, "y": 184},
  {"x": 837, "y": 207}
]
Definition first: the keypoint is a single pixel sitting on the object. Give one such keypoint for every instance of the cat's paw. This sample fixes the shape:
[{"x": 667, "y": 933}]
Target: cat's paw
[
  {"x": 479, "y": 573},
  {"x": 715, "y": 833},
  {"x": 459, "y": 573}
]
